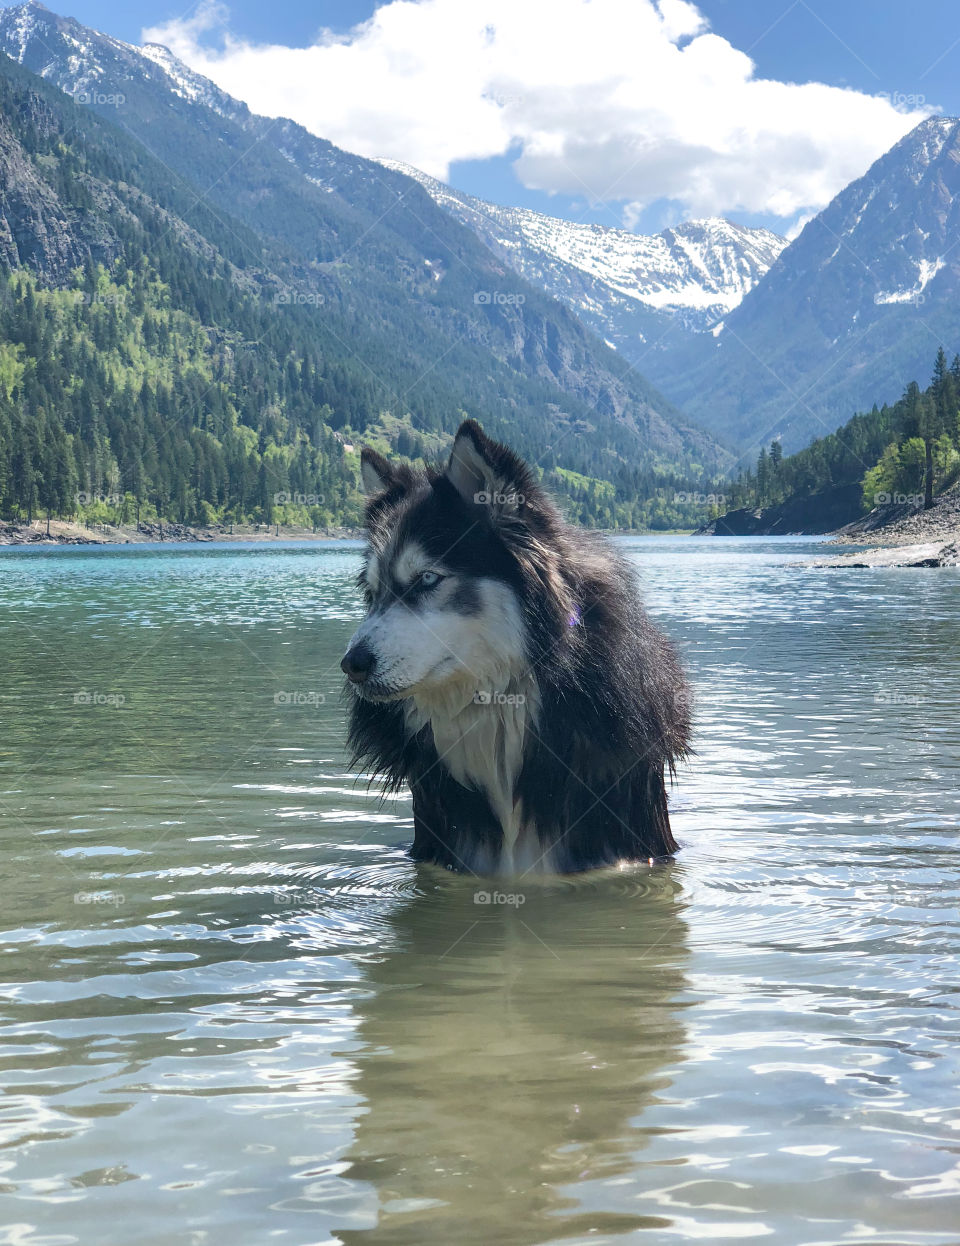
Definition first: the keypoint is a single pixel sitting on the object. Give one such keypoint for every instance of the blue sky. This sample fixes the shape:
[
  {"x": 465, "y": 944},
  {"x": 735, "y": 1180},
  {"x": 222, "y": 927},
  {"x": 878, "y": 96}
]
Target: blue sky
[{"x": 910, "y": 54}]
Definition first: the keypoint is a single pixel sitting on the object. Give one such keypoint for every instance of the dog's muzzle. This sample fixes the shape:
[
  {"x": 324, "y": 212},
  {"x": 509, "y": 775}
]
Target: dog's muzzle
[{"x": 358, "y": 662}]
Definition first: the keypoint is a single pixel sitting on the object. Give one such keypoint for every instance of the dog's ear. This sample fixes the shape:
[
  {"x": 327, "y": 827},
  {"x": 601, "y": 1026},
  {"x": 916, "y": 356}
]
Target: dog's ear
[
  {"x": 469, "y": 469},
  {"x": 375, "y": 472},
  {"x": 486, "y": 472}
]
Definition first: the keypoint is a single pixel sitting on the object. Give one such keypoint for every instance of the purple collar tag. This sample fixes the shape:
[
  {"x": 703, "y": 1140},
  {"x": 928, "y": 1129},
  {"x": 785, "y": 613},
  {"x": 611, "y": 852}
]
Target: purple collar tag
[{"x": 575, "y": 618}]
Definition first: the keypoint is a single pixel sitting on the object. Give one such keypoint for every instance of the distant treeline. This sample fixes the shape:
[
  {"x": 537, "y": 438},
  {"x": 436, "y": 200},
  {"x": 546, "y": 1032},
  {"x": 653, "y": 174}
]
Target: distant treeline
[
  {"x": 910, "y": 450},
  {"x": 119, "y": 403}
]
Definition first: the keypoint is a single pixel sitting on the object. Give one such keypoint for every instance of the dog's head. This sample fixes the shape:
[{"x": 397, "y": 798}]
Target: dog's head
[{"x": 447, "y": 566}]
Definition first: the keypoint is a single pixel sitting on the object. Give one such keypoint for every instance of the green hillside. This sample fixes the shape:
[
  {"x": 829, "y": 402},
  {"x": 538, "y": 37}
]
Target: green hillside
[{"x": 907, "y": 451}]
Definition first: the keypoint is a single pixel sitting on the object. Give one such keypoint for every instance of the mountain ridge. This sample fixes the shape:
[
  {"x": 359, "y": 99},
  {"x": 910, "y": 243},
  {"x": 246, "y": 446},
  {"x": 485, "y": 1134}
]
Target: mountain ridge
[
  {"x": 845, "y": 313},
  {"x": 625, "y": 285}
]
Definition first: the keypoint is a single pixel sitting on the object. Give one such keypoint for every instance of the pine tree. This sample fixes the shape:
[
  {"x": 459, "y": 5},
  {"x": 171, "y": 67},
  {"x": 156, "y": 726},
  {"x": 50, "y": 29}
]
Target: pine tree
[
  {"x": 936, "y": 417},
  {"x": 776, "y": 462},
  {"x": 763, "y": 477}
]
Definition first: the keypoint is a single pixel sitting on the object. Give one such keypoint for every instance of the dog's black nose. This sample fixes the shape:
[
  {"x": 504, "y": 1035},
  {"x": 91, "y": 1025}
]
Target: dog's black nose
[{"x": 358, "y": 662}]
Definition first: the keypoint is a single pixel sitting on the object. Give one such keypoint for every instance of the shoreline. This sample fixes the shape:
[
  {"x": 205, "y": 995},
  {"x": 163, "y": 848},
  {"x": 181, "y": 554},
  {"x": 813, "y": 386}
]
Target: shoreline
[
  {"x": 902, "y": 539},
  {"x": 66, "y": 532},
  {"x": 896, "y": 534}
]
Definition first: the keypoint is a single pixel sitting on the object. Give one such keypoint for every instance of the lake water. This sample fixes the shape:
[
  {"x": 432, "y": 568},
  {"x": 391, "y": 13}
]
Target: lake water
[{"x": 235, "y": 1013}]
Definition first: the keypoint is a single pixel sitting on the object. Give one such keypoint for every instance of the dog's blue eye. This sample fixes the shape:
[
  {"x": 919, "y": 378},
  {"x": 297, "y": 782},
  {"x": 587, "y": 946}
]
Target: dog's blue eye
[{"x": 429, "y": 579}]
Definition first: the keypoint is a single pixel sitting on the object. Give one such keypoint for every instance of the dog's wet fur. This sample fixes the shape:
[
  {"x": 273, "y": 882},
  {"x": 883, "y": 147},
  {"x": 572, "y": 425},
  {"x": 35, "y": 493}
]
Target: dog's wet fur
[{"x": 507, "y": 672}]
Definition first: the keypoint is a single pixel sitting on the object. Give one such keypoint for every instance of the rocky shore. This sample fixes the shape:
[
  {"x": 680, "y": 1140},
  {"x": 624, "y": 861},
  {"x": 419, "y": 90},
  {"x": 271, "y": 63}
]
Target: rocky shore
[
  {"x": 63, "y": 532},
  {"x": 902, "y": 536},
  {"x": 906, "y": 525},
  {"x": 835, "y": 513},
  {"x": 926, "y": 554}
]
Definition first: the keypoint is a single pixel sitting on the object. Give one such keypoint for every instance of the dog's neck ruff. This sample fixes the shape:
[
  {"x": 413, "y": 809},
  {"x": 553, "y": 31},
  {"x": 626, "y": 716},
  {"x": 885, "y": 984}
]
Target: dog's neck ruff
[{"x": 480, "y": 736}]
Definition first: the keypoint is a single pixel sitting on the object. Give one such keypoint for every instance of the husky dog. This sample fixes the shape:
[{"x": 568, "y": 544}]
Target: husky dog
[{"x": 507, "y": 672}]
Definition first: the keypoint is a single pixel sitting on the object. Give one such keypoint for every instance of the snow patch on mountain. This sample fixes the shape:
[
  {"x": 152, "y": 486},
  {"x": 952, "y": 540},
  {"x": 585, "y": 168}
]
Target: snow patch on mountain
[
  {"x": 189, "y": 85},
  {"x": 186, "y": 84},
  {"x": 27, "y": 23},
  {"x": 926, "y": 271}
]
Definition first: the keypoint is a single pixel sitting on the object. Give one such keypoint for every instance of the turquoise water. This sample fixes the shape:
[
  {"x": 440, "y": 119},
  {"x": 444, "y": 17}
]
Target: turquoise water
[{"x": 234, "y": 1012}]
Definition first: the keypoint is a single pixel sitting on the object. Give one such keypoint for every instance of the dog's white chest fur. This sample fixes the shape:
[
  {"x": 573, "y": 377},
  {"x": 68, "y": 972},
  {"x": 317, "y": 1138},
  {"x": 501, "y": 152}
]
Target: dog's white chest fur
[{"x": 481, "y": 740}]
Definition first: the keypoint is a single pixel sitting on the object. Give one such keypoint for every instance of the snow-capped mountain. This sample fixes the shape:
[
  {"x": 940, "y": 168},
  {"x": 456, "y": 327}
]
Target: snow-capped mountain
[
  {"x": 852, "y": 310},
  {"x": 84, "y": 62},
  {"x": 696, "y": 272}
]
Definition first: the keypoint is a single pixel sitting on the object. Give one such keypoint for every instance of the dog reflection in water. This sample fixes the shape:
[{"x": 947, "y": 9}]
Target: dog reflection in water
[{"x": 508, "y": 1053}]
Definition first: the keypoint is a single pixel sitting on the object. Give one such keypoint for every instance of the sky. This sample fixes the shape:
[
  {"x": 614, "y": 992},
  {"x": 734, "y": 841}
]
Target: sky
[{"x": 635, "y": 113}]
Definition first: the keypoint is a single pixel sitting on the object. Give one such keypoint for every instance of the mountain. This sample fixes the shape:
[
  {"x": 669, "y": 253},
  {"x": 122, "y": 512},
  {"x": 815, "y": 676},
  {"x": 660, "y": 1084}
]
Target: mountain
[
  {"x": 400, "y": 292},
  {"x": 854, "y": 305},
  {"x": 628, "y": 287}
]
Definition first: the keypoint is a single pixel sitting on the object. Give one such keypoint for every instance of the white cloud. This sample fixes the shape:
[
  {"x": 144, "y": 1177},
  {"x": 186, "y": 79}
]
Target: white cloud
[{"x": 629, "y": 101}]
